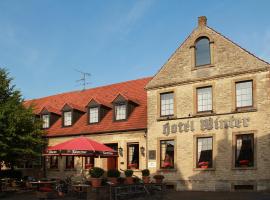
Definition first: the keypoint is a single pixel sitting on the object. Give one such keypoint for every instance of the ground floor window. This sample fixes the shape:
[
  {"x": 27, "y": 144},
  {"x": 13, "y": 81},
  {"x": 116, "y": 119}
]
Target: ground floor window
[
  {"x": 244, "y": 151},
  {"x": 133, "y": 156},
  {"x": 167, "y": 154},
  {"x": 53, "y": 162},
  {"x": 69, "y": 162},
  {"x": 89, "y": 162},
  {"x": 204, "y": 152}
]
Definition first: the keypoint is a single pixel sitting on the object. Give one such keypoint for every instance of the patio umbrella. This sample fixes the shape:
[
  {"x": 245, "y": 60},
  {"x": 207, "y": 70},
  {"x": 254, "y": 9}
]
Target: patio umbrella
[{"x": 81, "y": 146}]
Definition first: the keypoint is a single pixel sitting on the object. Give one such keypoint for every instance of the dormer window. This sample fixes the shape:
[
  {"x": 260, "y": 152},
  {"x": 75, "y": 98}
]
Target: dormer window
[
  {"x": 93, "y": 115},
  {"x": 123, "y": 106},
  {"x": 71, "y": 114},
  {"x": 120, "y": 112},
  {"x": 46, "y": 121},
  {"x": 68, "y": 118},
  {"x": 202, "y": 52}
]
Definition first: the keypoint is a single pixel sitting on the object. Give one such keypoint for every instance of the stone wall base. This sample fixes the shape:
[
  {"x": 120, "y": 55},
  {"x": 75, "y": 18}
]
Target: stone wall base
[{"x": 221, "y": 185}]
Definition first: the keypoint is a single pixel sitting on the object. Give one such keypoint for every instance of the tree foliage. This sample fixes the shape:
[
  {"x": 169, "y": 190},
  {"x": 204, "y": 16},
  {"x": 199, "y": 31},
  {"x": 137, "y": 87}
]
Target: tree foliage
[{"x": 20, "y": 131}]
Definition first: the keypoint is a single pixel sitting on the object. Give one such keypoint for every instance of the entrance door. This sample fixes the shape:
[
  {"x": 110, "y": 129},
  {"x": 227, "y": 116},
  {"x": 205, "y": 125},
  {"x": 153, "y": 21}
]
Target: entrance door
[{"x": 112, "y": 163}]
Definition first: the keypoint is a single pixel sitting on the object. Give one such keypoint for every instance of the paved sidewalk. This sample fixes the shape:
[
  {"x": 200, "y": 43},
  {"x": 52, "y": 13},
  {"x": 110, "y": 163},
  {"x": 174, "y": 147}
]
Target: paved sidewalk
[{"x": 170, "y": 195}]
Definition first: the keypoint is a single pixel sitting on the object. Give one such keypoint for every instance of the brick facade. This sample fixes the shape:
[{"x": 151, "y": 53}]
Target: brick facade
[{"x": 229, "y": 64}]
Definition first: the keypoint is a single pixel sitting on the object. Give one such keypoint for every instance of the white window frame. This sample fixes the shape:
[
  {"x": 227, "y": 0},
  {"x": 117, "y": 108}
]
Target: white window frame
[
  {"x": 244, "y": 94},
  {"x": 120, "y": 112},
  {"x": 67, "y": 118},
  {"x": 93, "y": 115},
  {"x": 204, "y": 99},
  {"x": 46, "y": 121},
  {"x": 167, "y": 104}
]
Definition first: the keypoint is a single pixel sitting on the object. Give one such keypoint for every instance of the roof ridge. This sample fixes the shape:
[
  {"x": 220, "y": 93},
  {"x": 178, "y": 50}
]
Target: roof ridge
[{"x": 76, "y": 91}]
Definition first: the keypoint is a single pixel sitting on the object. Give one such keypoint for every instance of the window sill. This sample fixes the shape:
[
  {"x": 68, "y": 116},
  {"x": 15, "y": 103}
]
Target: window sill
[
  {"x": 202, "y": 67},
  {"x": 245, "y": 109},
  {"x": 164, "y": 118},
  {"x": 204, "y": 169},
  {"x": 244, "y": 168},
  {"x": 205, "y": 113},
  {"x": 167, "y": 170},
  {"x": 73, "y": 169}
]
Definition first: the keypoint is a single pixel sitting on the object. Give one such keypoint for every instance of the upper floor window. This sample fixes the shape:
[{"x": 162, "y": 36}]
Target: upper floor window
[
  {"x": 202, "y": 52},
  {"x": 46, "y": 121},
  {"x": 93, "y": 115},
  {"x": 120, "y": 112},
  {"x": 67, "y": 118},
  {"x": 244, "y": 94},
  {"x": 204, "y": 99},
  {"x": 244, "y": 150},
  {"x": 166, "y": 104}
]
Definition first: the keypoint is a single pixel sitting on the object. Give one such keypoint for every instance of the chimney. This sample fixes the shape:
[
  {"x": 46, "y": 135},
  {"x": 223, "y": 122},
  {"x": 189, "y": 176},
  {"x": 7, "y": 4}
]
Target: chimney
[{"x": 202, "y": 21}]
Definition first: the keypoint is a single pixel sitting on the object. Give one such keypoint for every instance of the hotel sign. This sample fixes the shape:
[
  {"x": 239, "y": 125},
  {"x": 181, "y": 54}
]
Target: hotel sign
[{"x": 206, "y": 124}]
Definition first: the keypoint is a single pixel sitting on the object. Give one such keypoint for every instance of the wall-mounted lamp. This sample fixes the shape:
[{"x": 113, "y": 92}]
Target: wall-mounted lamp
[
  {"x": 120, "y": 151},
  {"x": 142, "y": 150}
]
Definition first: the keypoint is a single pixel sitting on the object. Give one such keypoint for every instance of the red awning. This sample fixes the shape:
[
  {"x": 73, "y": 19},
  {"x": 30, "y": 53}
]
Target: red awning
[{"x": 81, "y": 146}]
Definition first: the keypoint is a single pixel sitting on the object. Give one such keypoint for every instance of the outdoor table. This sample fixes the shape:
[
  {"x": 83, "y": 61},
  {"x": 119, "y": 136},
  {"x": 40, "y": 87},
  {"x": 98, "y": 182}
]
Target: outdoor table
[{"x": 44, "y": 183}]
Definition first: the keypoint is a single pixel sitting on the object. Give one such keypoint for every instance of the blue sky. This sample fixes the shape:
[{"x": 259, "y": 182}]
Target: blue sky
[{"x": 42, "y": 42}]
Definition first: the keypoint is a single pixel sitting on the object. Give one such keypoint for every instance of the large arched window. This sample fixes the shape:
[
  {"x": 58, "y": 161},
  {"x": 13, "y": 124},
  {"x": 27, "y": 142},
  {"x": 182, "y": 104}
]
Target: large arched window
[{"x": 202, "y": 52}]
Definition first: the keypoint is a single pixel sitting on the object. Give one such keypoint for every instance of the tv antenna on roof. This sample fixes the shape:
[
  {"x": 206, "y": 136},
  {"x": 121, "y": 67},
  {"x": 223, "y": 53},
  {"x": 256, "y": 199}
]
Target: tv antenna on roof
[{"x": 83, "y": 80}]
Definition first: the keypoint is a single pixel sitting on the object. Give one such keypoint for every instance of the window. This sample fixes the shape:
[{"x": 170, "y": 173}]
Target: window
[
  {"x": 89, "y": 162},
  {"x": 244, "y": 94},
  {"x": 133, "y": 156},
  {"x": 204, "y": 152},
  {"x": 120, "y": 112},
  {"x": 244, "y": 150},
  {"x": 69, "y": 162},
  {"x": 202, "y": 52},
  {"x": 67, "y": 118},
  {"x": 167, "y": 154},
  {"x": 46, "y": 121},
  {"x": 93, "y": 115},
  {"x": 204, "y": 99},
  {"x": 53, "y": 162},
  {"x": 166, "y": 104}
]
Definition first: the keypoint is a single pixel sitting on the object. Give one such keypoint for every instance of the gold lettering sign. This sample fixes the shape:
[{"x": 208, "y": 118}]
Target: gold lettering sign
[{"x": 205, "y": 124}]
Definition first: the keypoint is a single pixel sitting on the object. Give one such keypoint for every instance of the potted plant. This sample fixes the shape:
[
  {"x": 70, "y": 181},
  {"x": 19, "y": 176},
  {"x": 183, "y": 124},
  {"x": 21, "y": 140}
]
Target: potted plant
[
  {"x": 203, "y": 165},
  {"x": 159, "y": 178},
  {"x": 96, "y": 173},
  {"x": 145, "y": 175},
  {"x": 128, "y": 174},
  {"x": 113, "y": 175}
]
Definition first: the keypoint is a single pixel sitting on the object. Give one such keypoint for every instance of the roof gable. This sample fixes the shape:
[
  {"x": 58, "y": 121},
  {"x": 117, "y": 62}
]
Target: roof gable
[{"x": 227, "y": 58}]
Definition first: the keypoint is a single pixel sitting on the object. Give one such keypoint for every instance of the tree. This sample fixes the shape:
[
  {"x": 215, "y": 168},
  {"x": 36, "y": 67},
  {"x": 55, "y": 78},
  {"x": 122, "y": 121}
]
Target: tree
[{"x": 20, "y": 131}]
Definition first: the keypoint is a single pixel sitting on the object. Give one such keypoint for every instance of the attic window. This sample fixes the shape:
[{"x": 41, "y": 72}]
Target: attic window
[
  {"x": 67, "y": 118},
  {"x": 93, "y": 115},
  {"x": 46, "y": 121},
  {"x": 120, "y": 112},
  {"x": 202, "y": 52}
]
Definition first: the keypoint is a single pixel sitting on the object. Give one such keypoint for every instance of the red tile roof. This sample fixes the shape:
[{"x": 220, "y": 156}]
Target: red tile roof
[{"x": 134, "y": 90}]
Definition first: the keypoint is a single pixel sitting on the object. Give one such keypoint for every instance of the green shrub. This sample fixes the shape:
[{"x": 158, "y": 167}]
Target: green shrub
[
  {"x": 96, "y": 172},
  {"x": 113, "y": 173},
  {"x": 145, "y": 172},
  {"x": 128, "y": 172}
]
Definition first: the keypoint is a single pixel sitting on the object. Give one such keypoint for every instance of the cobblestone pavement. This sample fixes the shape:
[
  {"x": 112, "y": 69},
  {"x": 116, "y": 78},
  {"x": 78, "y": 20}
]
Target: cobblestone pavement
[{"x": 170, "y": 195}]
